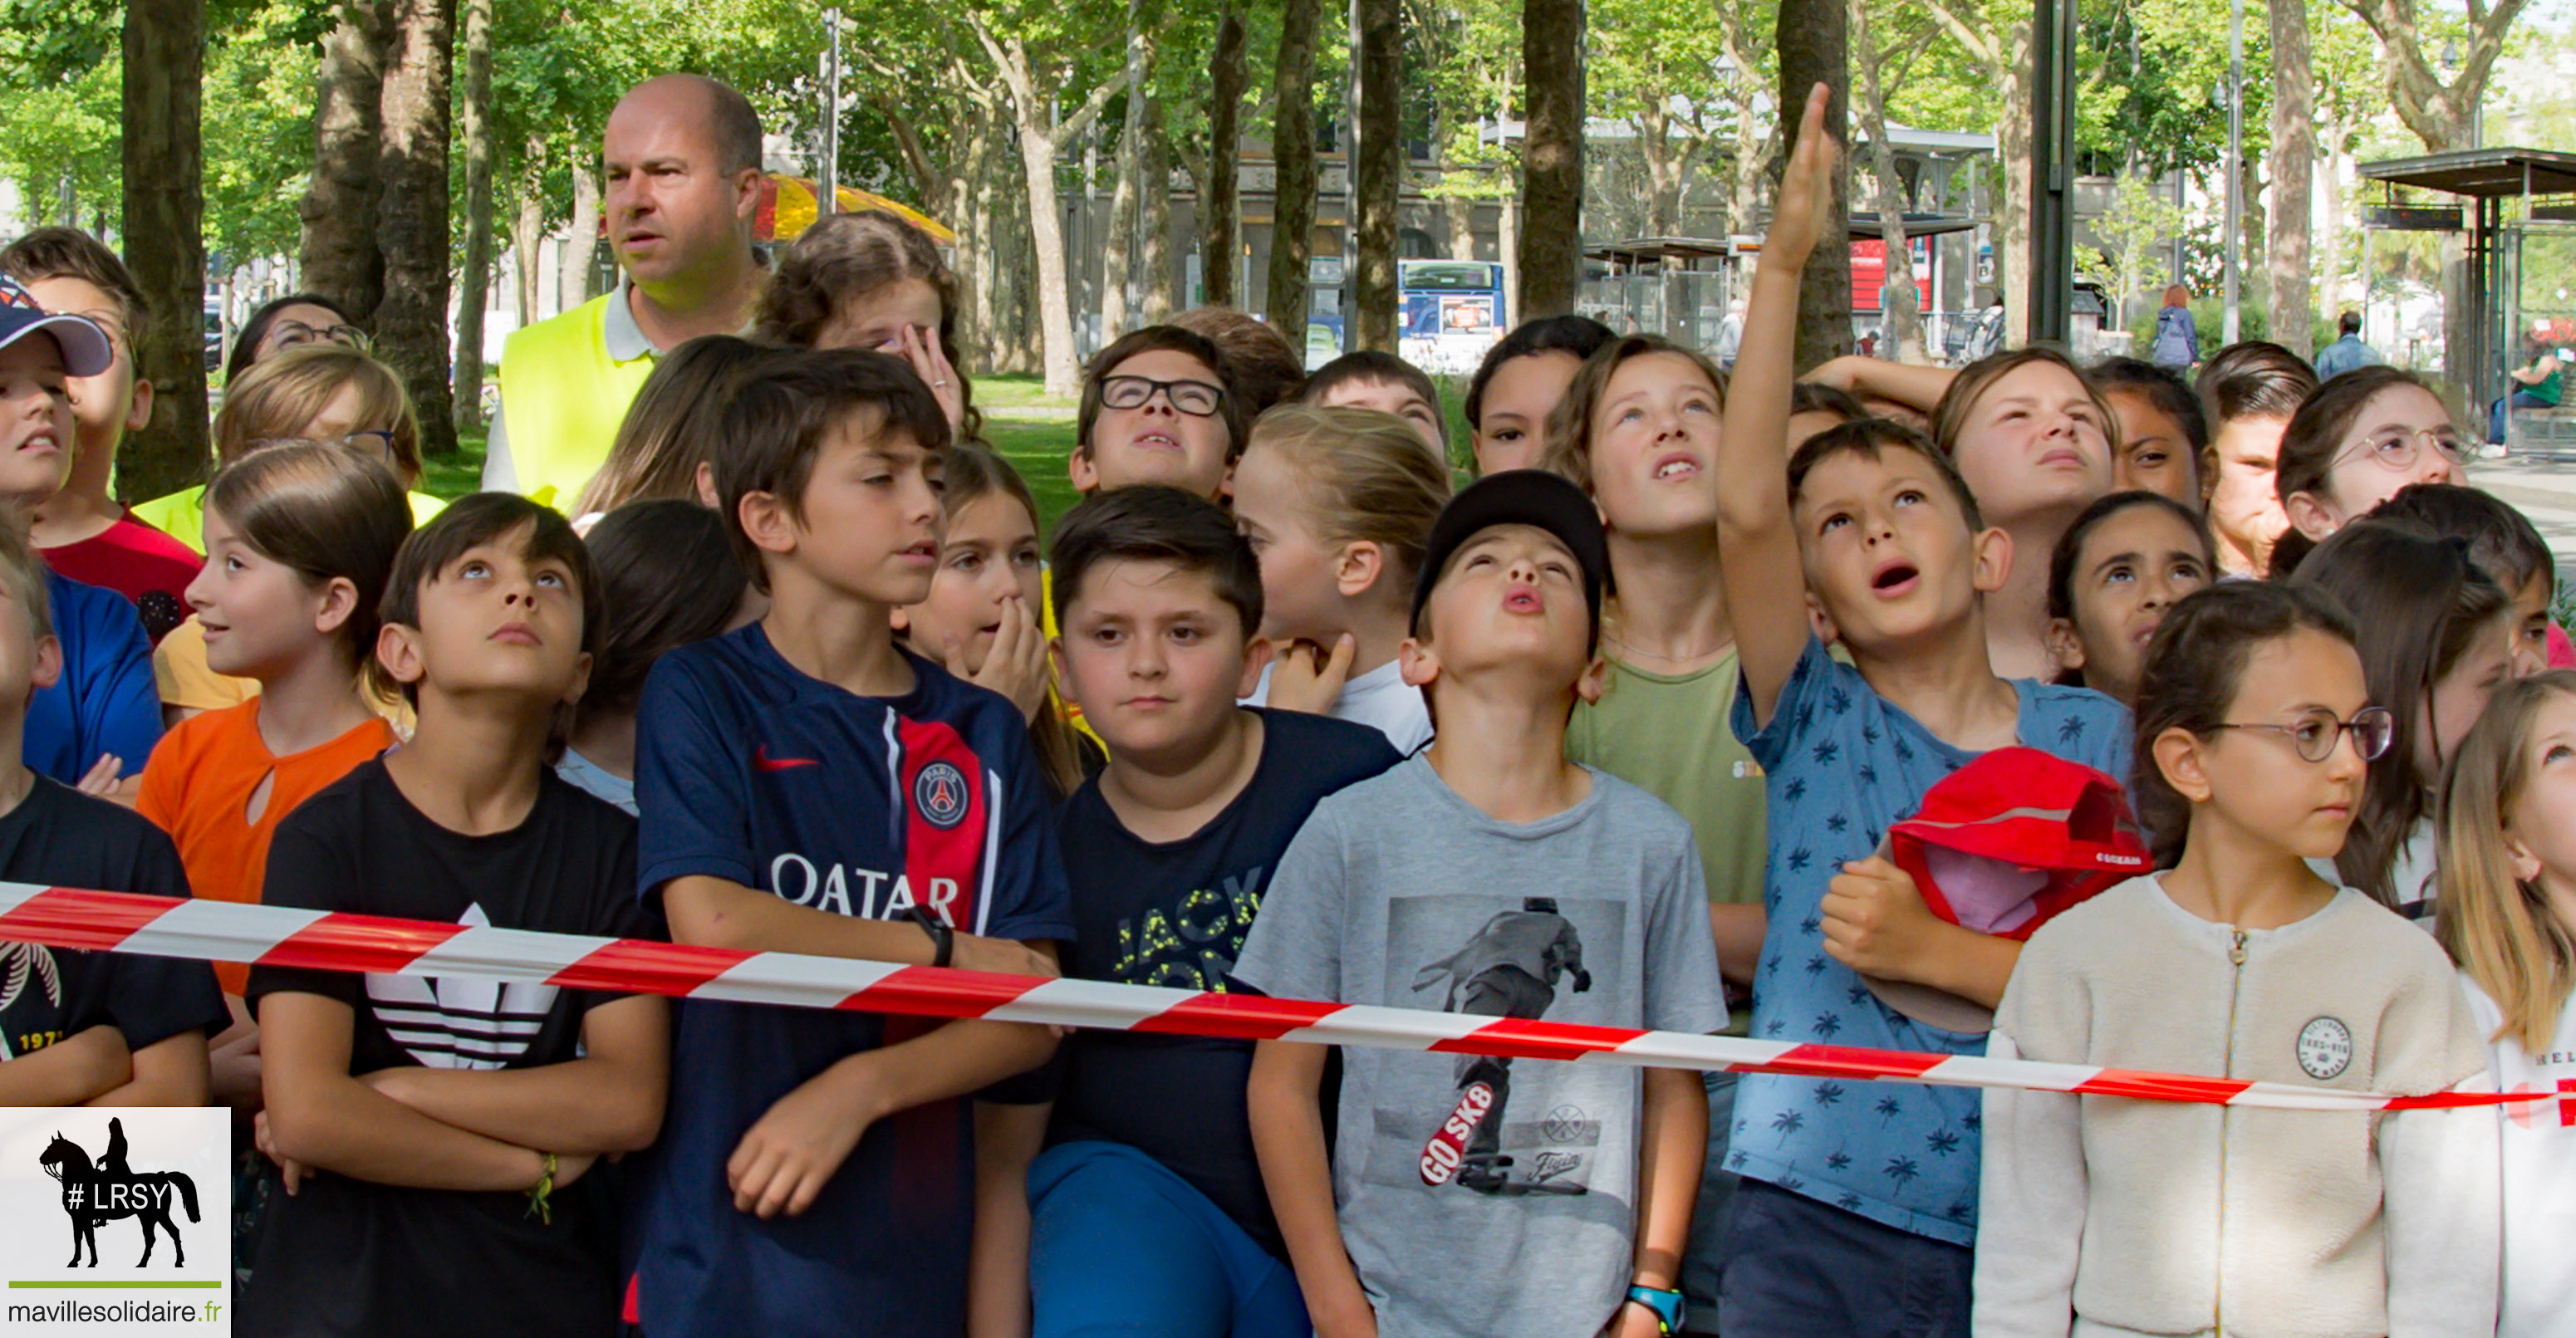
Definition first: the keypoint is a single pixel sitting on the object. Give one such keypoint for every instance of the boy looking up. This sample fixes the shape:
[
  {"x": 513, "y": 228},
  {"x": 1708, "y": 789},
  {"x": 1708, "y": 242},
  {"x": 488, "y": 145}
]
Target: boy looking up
[
  {"x": 1489, "y": 875},
  {"x": 81, "y": 530},
  {"x": 807, "y": 785},
  {"x": 453, "y": 1115},
  {"x": 90, "y": 1028},
  {"x": 96, "y": 723},
  {"x": 1159, "y": 406},
  {"x": 1858, "y": 1209},
  {"x": 1150, "y": 1172},
  {"x": 1375, "y": 379}
]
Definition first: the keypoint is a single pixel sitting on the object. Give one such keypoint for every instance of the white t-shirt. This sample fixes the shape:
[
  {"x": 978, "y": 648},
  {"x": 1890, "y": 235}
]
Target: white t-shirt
[
  {"x": 2539, "y": 1299},
  {"x": 1380, "y": 699}
]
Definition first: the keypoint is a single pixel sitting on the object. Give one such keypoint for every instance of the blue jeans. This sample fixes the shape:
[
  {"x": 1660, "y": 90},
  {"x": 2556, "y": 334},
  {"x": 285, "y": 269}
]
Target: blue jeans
[
  {"x": 1119, "y": 1245},
  {"x": 2520, "y": 399},
  {"x": 1704, "y": 1260},
  {"x": 1796, "y": 1267}
]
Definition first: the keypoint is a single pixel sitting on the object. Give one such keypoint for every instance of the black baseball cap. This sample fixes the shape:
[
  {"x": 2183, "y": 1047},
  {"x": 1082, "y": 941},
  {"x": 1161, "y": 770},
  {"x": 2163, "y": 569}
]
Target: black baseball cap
[
  {"x": 86, "y": 351},
  {"x": 1533, "y": 497}
]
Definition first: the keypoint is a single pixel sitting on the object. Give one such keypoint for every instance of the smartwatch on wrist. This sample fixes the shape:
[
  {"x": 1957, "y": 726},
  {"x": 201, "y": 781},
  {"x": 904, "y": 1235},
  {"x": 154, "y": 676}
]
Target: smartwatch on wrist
[
  {"x": 1667, "y": 1305},
  {"x": 943, "y": 940}
]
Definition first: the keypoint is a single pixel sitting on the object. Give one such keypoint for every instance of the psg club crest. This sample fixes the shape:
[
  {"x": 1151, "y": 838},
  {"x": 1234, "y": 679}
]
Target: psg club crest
[{"x": 939, "y": 793}]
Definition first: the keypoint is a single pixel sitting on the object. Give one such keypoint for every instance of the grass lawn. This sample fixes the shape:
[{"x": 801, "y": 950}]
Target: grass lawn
[{"x": 1038, "y": 449}]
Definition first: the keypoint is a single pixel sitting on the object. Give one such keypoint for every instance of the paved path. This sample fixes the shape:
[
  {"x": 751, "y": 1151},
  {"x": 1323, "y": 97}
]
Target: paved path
[{"x": 2545, "y": 491}]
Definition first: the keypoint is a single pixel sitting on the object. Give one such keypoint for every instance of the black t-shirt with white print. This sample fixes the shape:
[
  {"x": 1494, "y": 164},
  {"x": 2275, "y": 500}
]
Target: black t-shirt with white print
[
  {"x": 62, "y": 838},
  {"x": 345, "y": 1257}
]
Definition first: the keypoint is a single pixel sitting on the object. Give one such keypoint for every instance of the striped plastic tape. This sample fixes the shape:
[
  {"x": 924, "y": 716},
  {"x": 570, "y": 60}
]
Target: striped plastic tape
[{"x": 279, "y": 936}]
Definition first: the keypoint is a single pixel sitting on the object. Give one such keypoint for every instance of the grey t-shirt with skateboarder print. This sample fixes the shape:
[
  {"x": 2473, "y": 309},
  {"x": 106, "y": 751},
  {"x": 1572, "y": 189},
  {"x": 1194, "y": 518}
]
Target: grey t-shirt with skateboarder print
[{"x": 1493, "y": 1197}]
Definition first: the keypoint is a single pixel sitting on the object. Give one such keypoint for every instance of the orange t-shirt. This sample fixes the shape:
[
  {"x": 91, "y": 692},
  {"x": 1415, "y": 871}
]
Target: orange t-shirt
[{"x": 198, "y": 787}]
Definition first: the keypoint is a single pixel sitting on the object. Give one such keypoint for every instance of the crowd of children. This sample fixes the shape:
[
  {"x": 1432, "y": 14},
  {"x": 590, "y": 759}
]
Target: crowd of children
[{"x": 1719, "y": 701}]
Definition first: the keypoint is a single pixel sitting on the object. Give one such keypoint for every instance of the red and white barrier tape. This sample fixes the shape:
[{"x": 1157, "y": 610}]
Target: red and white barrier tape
[{"x": 277, "y": 936}]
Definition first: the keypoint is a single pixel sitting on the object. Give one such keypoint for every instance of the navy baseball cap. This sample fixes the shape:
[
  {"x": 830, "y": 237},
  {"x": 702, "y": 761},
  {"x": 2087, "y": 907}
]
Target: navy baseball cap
[
  {"x": 1534, "y": 497},
  {"x": 86, "y": 351}
]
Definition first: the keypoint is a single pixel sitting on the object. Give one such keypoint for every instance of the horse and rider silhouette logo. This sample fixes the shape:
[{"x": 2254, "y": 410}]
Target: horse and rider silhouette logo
[{"x": 110, "y": 1189}]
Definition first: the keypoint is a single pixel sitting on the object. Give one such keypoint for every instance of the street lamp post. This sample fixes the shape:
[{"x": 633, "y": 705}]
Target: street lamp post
[
  {"x": 828, "y": 201},
  {"x": 2230, "y": 325}
]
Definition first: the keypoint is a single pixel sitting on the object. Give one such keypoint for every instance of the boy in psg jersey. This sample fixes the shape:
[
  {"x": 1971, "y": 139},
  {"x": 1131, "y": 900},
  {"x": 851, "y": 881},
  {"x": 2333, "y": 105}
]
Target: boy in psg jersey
[
  {"x": 807, "y": 785},
  {"x": 426, "y": 1133}
]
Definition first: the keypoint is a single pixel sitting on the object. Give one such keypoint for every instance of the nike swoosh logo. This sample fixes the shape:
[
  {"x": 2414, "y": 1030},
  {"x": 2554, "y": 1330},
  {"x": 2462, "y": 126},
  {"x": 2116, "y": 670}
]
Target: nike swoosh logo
[{"x": 761, "y": 760}]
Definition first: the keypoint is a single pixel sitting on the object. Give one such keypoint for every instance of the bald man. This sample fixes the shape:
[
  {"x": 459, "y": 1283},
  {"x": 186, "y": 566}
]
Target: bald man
[{"x": 682, "y": 160}]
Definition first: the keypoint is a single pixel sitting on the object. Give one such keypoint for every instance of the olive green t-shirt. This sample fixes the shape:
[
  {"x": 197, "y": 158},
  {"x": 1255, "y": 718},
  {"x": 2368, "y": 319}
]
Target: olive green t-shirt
[{"x": 1667, "y": 734}]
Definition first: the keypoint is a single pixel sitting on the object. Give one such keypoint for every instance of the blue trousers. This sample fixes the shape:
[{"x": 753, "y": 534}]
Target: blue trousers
[
  {"x": 1796, "y": 1267},
  {"x": 1704, "y": 1261},
  {"x": 2520, "y": 399},
  {"x": 1119, "y": 1245}
]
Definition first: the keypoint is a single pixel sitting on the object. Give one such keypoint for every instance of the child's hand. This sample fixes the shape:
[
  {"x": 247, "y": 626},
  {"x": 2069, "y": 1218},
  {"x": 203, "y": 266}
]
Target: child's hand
[
  {"x": 1806, "y": 189},
  {"x": 292, "y": 1172},
  {"x": 100, "y": 780},
  {"x": 1633, "y": 1321},
  {"x": 1355, "y": 1321},
  {"x": 1016, "y": 666},
  {"x": 921, "y": 349},
  {"x": 974, "y": 952},
  {"x": 782, "y": 1164},
  {"x": 1307, "y": 679},
  {"x": 1875, "y": 921}
]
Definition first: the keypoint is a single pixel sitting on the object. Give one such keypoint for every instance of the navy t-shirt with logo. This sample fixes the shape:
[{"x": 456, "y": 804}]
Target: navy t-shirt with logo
[
  {"x": 347, "y": 1257},
  {"x": 750, "y": 771},
  {"x": 63, "y": 838},
  {"x": 1174, "y": 914}
]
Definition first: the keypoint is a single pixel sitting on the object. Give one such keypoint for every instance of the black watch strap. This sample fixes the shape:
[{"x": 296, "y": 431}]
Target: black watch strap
[{"x": 943, "y": 940}]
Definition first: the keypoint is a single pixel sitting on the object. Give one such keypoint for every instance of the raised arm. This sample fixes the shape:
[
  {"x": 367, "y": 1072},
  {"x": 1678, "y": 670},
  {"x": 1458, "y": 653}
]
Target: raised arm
[
  {"x": 1757, "y": 537},
  {"x": 1913, "y": 385}
]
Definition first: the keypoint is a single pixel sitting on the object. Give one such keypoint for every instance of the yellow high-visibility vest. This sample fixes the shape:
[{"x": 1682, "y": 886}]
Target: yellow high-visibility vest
[{"x": 563, "y": 397}]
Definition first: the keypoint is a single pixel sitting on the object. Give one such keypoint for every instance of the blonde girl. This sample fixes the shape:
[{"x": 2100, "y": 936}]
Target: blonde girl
[
  {"x": 1337, "y": 504},
  {"x": 2508, "y": 850},
  {"x": 311, "y": 392}
]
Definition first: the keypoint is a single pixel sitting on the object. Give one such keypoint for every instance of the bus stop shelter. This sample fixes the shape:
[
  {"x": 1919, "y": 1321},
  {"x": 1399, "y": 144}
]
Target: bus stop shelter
[{"x": 2516, "y": 209}]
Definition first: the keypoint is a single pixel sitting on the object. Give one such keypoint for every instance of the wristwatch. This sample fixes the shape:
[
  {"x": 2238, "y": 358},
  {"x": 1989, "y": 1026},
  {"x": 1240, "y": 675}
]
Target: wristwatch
[
  {"x": 1667, "y": 1306},
  {"x": 943, "y": 940}
]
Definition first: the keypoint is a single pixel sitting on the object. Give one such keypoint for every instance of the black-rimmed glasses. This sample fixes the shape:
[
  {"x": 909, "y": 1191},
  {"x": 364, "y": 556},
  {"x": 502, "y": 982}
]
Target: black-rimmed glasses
[{"x": 1195, "y": 398}]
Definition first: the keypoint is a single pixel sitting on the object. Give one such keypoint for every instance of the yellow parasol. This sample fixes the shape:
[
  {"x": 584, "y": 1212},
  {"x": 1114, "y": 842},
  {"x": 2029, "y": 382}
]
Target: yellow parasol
[{"x": 787, "y": 207}]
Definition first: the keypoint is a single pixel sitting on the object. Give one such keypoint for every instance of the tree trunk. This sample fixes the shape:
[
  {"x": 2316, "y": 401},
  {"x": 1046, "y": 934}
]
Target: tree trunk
[
  {"x": 1118, "y": 258},
  {"x": 1654, "y": 122},
  {"x": 1812, "y": 39},
  {"x": 1460, "y": 211},
  {"x": 574, "y": 278},
  {"x": 162, "y": 164},
  {"x": 527, "y": 232},
  {"x": 1378, "y": 175},
  {"x": 1551, "y": 242},
  {"x": 1900, "y": 317},
  {"x": 1292, "y": 148},
  {"x": 1507, "y": 245},
  {"x": 412, "y": 215},
  {"x": 476, "y": 264},
  {"x": 1157, "y": 264},
  {"x": 1046, "y": 234},
  {"x": 984, "y": 284},
  {"x": 1221, "y": 205},
  {"x": 338, "y": 251},
  {"x": 2013, "y": 144},
  {"x": 2293, "y": 172}
]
